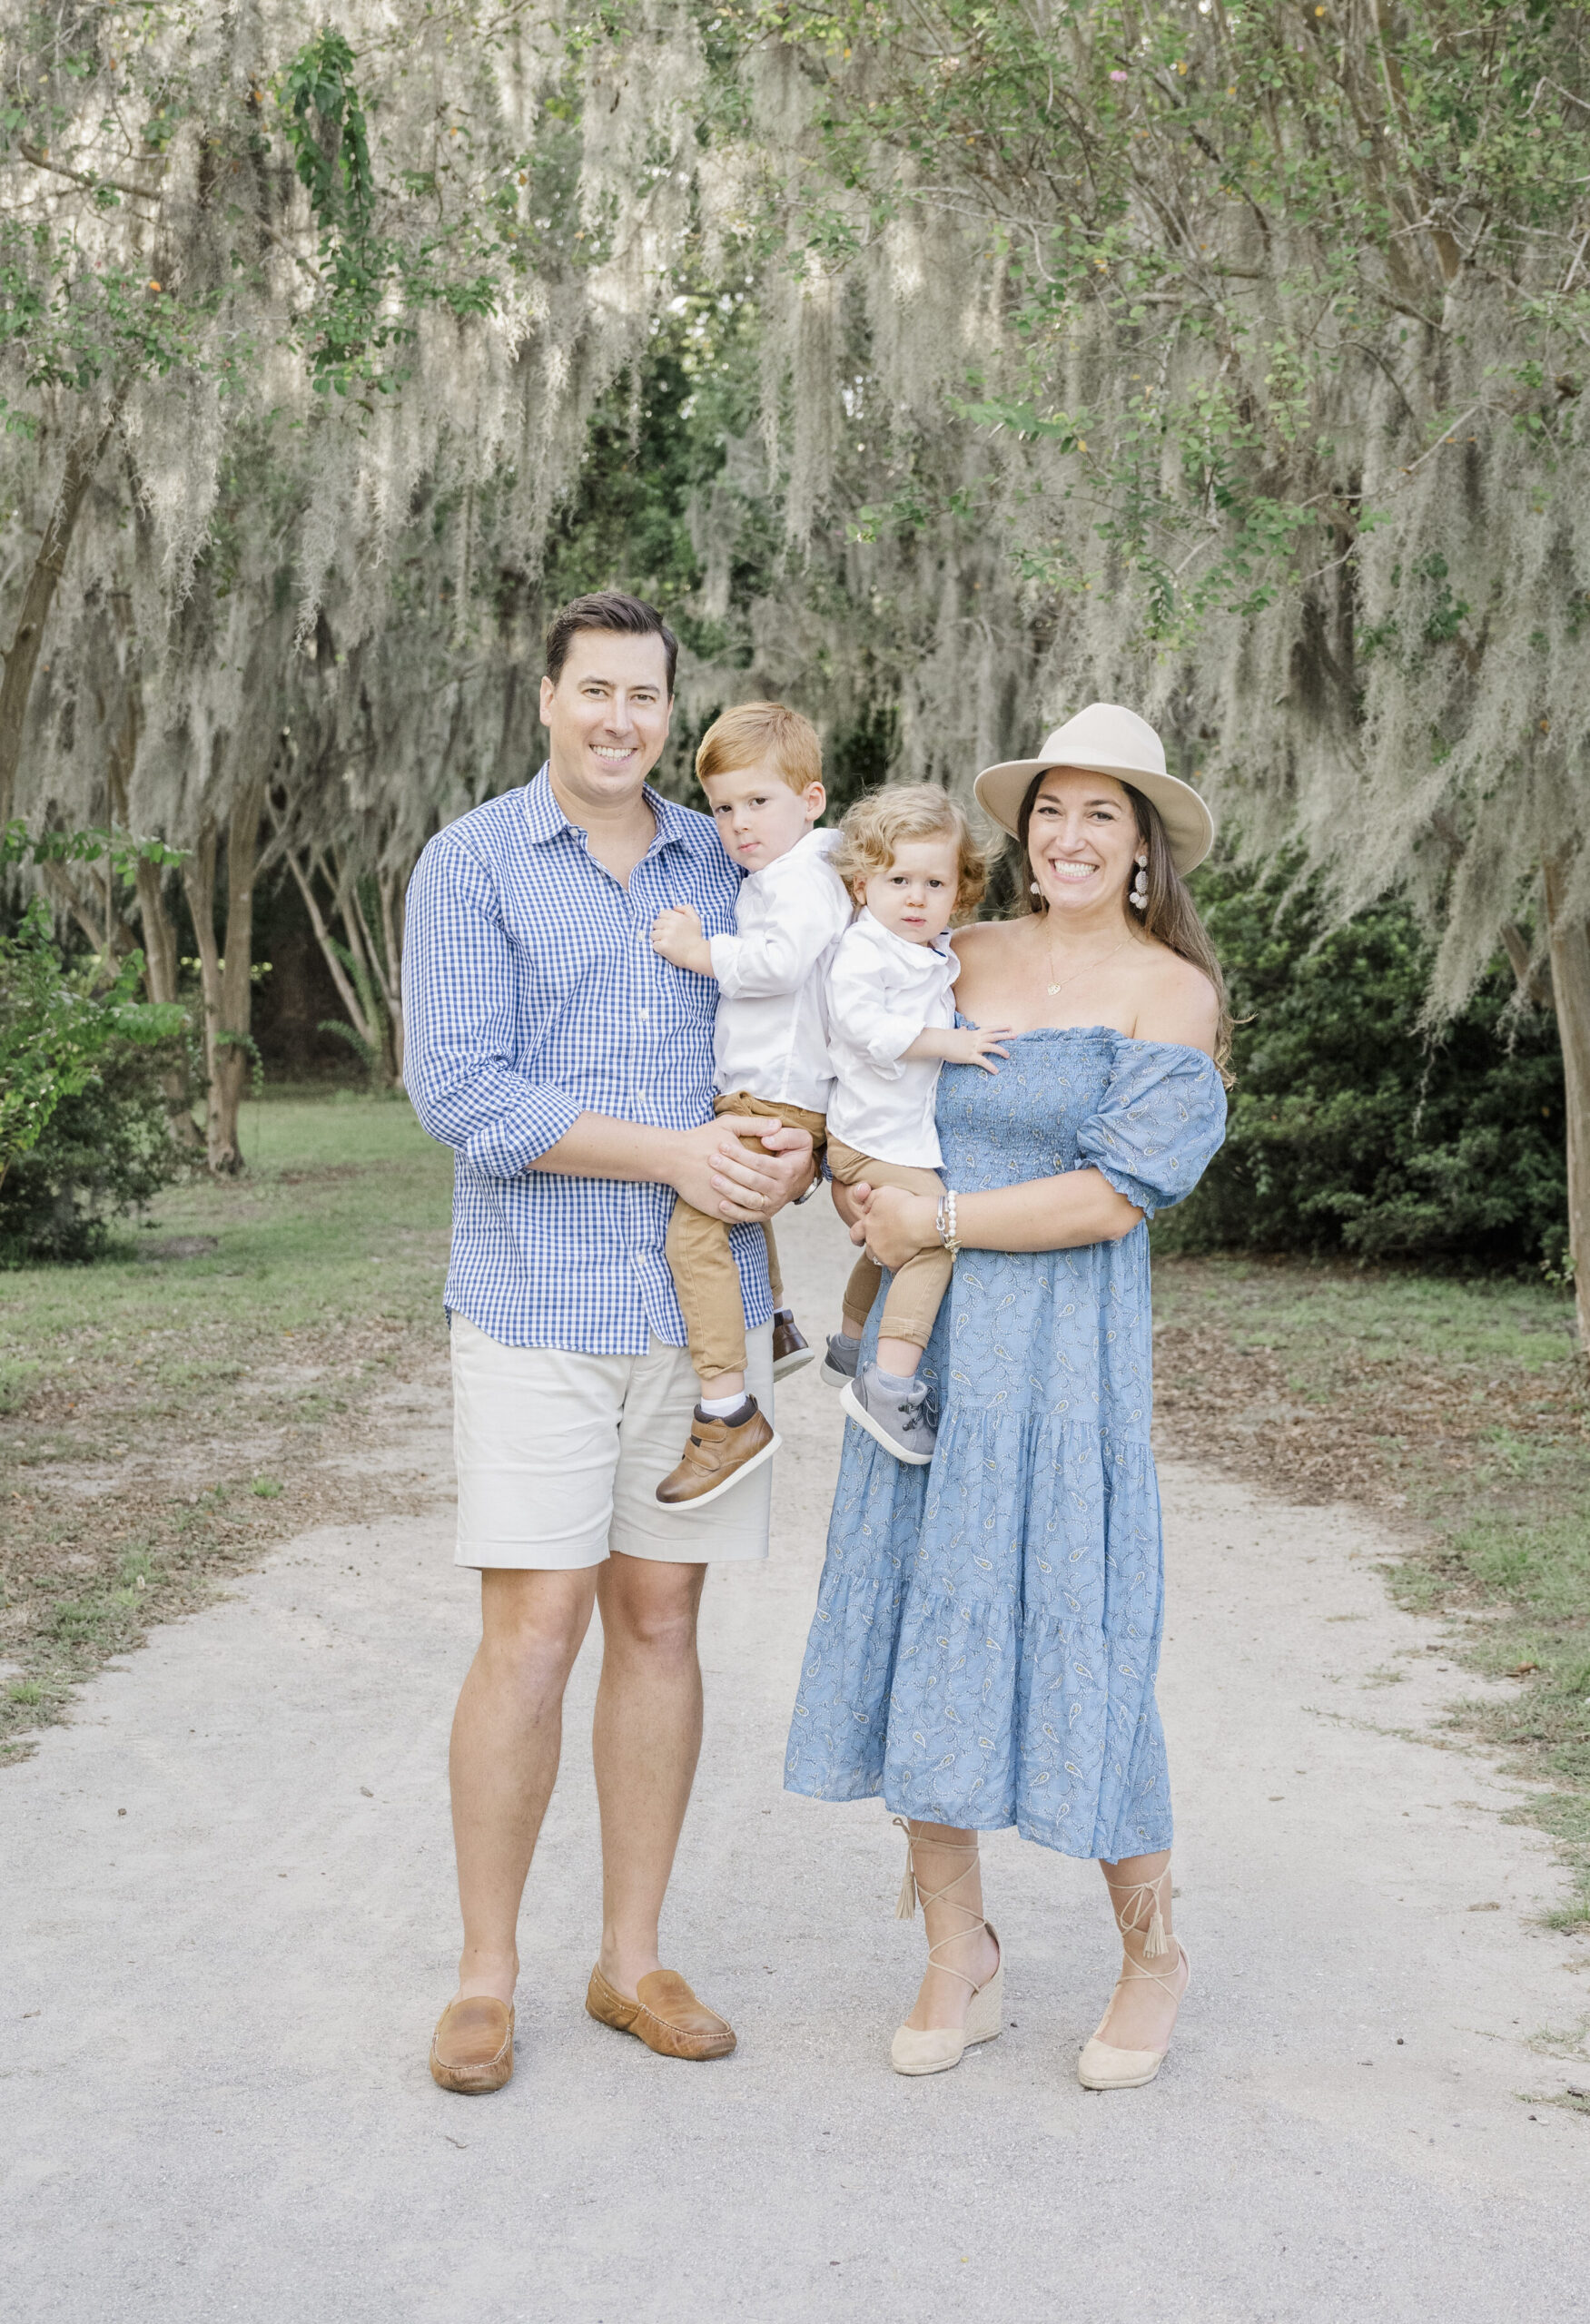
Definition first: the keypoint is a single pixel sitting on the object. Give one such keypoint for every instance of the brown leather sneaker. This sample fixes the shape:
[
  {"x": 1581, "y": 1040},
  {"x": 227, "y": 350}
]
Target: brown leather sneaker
[
  {"x": 472, "y": 2049},
  {"x": 790, "y": 1350},
  {"x": 719, "y": 1454},
  {"x": 667, "y": 2017}
]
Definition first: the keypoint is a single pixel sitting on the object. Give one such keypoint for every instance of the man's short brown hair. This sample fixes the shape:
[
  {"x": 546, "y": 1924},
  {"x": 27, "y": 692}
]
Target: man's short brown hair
[
  {"x": 757, "y": 731},
  {"x": 608, "y": 609}
]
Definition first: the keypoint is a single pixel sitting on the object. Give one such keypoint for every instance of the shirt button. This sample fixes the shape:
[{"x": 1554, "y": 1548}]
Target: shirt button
[{"x": 643, "y": 1012}]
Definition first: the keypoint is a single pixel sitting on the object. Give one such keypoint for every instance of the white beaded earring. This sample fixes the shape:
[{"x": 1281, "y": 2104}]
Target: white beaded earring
[{"x": 1138, "y": 897}]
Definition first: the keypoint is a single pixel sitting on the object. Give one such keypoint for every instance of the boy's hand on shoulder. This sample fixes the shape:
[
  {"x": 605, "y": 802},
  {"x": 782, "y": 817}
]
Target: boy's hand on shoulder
[{"x": 678, "y": 935}]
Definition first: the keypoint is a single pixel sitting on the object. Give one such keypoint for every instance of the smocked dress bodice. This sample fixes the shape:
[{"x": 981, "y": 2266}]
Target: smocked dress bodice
[{"x": 987, "y": 1629}]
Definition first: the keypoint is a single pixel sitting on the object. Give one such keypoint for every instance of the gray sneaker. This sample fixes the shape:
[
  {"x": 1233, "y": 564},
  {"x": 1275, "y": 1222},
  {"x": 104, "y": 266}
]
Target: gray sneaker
[
  {"x": 839, "y": 1364},
  {"x": 900, "y": 1423}
]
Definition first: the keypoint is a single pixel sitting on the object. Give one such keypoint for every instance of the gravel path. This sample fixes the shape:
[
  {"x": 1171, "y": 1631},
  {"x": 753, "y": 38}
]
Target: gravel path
[{"x": 227, "y": 1926}]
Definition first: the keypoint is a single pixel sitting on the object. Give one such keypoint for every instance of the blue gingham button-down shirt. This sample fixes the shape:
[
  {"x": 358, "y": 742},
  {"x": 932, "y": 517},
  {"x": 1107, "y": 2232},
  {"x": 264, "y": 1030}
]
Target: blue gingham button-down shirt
[{"x": 531, "y": 995}]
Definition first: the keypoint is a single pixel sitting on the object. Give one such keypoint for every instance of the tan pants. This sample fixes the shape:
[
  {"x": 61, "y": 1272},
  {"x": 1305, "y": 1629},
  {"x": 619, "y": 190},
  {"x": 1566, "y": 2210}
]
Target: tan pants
[
  {"x": 704, "y": 1275},
  {"x": 919, "y": 1286}
]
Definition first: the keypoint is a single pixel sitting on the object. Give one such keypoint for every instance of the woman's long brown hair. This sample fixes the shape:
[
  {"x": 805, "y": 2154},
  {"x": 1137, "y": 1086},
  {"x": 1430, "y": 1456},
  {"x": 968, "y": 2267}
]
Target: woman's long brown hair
[{"x": 1171, "y": 918}]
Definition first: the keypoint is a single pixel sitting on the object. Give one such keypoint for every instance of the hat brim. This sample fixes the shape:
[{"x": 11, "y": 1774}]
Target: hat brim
[{"x": 1189, "y": 825}]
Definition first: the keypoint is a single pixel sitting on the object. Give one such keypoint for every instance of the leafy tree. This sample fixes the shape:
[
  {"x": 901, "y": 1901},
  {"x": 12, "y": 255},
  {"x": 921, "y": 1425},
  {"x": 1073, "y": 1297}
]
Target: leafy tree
[
  {"x": 299, "y": 334},
  {"x": 1229, "y": 362}
]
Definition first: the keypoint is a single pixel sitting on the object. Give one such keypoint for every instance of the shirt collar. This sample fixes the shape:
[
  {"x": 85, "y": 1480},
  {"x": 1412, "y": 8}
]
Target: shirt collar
[{"x": 547, "y": 819}]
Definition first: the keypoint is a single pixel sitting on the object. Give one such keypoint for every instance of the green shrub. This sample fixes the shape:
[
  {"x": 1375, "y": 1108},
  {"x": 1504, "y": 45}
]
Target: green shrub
[
  {"x": 1353, "y": 1131},
  {"x": 107, "y": 1150},
  {"x": 84, "y": 1124}
]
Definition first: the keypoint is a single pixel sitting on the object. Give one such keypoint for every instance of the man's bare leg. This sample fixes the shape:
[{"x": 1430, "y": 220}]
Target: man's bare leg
[
  {"x": 646, "y": 1741},
  {"x": 507, "y": 1732}
]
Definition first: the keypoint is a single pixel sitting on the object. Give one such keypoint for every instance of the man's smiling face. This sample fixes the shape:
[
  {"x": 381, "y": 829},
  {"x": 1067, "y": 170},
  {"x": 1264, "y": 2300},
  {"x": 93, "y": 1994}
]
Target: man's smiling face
[{"x": 607, "y": 716}]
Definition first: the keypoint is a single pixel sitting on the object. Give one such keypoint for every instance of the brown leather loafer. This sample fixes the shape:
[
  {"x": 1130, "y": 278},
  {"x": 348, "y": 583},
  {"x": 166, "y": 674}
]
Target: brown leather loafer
[
  {"x": 790, "y": 1347},
  {"x": 472, "y": 2049},
  {"x": 667, "y": 2017},
  {"x": 719, "y": 1454}
]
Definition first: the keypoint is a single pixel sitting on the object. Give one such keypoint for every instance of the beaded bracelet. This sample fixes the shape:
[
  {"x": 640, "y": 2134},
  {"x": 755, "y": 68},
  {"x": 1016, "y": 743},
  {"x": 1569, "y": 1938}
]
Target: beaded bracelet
[{"x": 944, "y": 1221}]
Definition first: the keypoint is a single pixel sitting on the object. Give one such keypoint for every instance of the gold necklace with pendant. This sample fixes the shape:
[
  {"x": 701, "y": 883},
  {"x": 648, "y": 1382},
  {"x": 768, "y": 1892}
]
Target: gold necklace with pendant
[{"x": 1082, "y": 971}]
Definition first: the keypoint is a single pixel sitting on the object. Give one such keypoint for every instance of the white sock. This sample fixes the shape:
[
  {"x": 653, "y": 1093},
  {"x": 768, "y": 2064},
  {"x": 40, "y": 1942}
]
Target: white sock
[{"x": 720, "y": 1407}]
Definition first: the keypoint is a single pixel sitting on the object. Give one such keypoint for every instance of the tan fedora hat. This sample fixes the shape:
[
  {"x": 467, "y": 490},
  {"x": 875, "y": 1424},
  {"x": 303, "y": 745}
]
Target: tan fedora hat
[{"x": 1105, "y": 739}]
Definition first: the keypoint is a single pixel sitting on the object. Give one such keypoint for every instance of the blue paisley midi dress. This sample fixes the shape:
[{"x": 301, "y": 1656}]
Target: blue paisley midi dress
[{"x": 987, "y": 1630}]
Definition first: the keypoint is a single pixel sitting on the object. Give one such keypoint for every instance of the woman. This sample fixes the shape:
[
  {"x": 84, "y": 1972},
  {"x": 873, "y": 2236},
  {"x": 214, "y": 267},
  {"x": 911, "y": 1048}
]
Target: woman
[{"x": 988, "y": 1628}]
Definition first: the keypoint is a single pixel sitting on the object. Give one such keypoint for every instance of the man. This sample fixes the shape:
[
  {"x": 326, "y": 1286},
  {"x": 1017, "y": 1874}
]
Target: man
[{"x": 570, "y": 1067}]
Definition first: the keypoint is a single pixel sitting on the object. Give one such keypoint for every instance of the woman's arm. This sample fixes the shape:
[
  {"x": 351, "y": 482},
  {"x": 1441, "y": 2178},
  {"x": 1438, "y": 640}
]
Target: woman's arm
[{"x": 1057, "y": 1214}]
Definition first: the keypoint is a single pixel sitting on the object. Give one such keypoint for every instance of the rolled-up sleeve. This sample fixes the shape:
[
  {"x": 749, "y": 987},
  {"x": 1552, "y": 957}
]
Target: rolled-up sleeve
[
  {"x": 864, "y": 1014},
  {"x": 458, "y": 1022}
]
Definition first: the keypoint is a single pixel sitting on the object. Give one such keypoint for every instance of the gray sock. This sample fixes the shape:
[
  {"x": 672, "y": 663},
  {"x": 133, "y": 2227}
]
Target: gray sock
[{"x": 894, "y": 1382}]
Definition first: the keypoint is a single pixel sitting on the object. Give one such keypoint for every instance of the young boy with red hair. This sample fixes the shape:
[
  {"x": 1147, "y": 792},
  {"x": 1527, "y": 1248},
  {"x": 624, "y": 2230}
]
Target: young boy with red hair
[{"x": 760, "y": 767}]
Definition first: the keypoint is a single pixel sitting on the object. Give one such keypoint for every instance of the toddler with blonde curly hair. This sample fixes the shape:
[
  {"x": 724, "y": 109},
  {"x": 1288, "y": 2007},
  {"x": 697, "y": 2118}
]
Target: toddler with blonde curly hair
[{"x": 908, "y": 857}]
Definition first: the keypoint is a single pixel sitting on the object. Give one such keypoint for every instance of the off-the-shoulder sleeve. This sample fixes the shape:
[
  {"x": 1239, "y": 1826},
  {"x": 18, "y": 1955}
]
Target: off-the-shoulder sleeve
[{"x": 1159, "y": 1125}]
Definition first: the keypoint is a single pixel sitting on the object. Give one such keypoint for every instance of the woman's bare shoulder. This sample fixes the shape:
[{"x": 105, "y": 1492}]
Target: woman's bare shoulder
[
  {"x": 977, "y": 935},
  {"x": 984, "y": 949},
  {"x": 979, "y": 938},
  {"x": 1176, "y": 1002}
]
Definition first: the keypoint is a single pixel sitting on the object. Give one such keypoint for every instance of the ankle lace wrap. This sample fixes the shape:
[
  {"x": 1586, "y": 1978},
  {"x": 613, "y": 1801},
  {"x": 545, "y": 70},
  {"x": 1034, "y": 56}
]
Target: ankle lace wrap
[
  {"x": 911, "y": 1891},
  {"x": 1139, "y": 1912}
]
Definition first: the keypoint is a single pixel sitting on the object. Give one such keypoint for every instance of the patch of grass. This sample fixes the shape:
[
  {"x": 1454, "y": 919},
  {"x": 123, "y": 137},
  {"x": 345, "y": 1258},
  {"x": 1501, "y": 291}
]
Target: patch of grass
[
  {"x": 160, "y": 1418},
  {"x": 1458, "y": 1405},
  {"x": 1574, "y": 2102}
]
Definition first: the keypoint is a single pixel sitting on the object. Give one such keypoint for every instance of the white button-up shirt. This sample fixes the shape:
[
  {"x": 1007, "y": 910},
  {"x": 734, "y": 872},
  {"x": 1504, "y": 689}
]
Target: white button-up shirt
[
  {"x": 884, "y": 990},
  {"x": 771, "y": 1037}
]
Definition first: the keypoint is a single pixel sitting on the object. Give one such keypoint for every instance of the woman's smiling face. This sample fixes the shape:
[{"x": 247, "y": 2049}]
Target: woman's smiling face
[{"x": 1082, "y": 841}]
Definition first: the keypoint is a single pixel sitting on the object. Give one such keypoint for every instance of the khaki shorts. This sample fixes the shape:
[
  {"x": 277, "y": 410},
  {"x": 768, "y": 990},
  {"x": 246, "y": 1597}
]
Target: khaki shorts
[{"x": 560, "y": 1456}]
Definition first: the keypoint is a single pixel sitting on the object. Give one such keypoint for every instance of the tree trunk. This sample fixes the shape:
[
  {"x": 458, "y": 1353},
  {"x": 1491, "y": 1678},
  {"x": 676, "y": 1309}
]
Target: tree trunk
[
  {"x": 234, "y": 1042},
  {"x": 199, "y": 880},
  {"x": 1570, "y": 977},
  {"x": 394, "y": 887},
  {"x": 159, "y": 929},
  {"x": 379, "y": 957},
  {"x": 83, "y": 457},
  {"x": 377, "y": 963},
  {"x": 346, "y": 991},
  {"x": 160, "y": 981},
  {"x": 225, "y": 975}
]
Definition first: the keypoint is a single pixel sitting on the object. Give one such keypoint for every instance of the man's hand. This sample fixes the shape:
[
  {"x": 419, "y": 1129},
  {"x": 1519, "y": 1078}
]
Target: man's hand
[
  {"x": 678, "y": 935},
  {"x": 893, "y": 1226},
  {"x": 718, "y": 1175}
]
